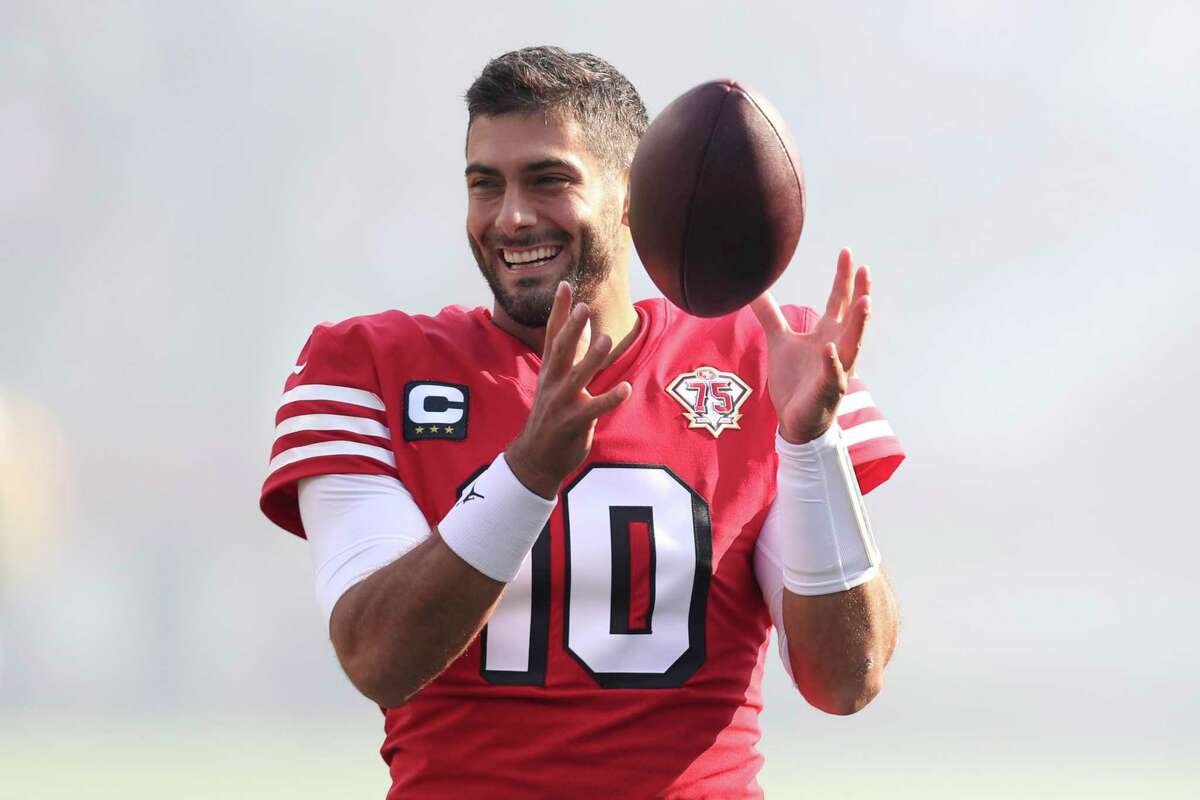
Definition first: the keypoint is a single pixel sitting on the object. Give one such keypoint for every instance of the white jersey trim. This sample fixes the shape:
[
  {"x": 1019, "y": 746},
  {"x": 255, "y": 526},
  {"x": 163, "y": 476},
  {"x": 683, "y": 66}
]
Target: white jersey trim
[
  {"x": 333, "y": 394},
  {"x": 875, "y": 429},
  {"x": 332, "y": 422},
  {"x": 855, "y": 401},
  {"x": 338, "y": 448}
]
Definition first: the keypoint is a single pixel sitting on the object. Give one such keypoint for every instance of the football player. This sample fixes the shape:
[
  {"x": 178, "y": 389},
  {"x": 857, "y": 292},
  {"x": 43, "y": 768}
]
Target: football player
[{"x": 551, "y": 538}]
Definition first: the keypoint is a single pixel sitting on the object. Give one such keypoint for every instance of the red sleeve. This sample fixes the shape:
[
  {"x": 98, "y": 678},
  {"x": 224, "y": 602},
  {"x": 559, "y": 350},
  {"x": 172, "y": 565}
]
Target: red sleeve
[
  {"x": 874, "y": 449},
  {"x": 331, "y": 419}
]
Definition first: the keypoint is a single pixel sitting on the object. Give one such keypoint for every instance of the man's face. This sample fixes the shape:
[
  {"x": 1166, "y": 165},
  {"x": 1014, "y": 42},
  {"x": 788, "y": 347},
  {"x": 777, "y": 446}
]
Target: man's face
[{"x": 541, "y": 208}]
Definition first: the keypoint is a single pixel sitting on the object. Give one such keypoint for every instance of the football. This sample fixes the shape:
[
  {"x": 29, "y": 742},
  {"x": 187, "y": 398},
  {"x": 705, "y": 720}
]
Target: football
[{"x": 716, "y": 199}]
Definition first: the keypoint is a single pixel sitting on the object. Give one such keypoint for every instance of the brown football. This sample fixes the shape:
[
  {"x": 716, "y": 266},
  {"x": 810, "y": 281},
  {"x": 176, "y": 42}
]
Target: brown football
[{"x": 716, "y": 198}]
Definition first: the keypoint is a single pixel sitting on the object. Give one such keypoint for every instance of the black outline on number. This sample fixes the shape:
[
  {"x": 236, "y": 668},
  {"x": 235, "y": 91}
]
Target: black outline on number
[
  {"x": 686, "y": 665},
  {"x": 539, "y": 614},
  {"x": 619, "y": 520}
]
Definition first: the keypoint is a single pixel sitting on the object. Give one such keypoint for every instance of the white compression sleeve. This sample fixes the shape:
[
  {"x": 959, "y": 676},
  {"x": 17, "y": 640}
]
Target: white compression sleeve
[
  {"x": 356, "y": 524},
  {"x": 495, "y": 522},
  {"x": 768, "y": 569},
  {"x": 826, "y": 540},
  {"x": 816, "y": 538}
]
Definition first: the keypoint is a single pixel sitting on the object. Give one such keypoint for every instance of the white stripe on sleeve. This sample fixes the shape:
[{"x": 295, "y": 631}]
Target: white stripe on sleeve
[
  {"x": 876, "y": 429},
  {"x": 338, "y": 448},
  {"x": 332, "y": 422},
  {"x": 855, "y": 401},
  {"x": 335, "y": 394}
]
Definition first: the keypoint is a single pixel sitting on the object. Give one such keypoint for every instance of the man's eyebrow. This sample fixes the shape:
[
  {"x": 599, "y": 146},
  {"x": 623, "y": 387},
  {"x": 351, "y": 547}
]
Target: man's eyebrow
[
  {"x": 477, "y": 168},
  {"x": 481, "y": 169},
  {"x": 549, "y": 163}
]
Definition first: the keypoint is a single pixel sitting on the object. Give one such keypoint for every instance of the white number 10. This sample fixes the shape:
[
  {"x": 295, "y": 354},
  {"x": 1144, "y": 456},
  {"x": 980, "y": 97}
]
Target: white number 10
[{"x": 613, "y": 513}]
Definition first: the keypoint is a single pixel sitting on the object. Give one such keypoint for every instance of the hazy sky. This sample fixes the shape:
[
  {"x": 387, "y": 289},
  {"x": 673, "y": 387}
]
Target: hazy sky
[{"x": 188, "y": 188}]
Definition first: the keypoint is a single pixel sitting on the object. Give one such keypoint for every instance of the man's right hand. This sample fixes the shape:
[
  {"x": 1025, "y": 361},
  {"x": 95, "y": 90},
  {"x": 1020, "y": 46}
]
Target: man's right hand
[{"x": 558, "y": 433}]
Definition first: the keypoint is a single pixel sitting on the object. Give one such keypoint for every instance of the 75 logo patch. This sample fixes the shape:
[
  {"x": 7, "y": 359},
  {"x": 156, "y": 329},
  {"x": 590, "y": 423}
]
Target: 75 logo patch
[
  {"x": 434, "y": 410},
  {"x": 711, "y": 399}
]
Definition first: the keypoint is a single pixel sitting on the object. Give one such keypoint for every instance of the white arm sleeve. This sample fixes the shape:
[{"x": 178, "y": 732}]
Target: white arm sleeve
[
  {"x": 816, "y": 538},
  {"x": 355, "y": 525},
  {"x": 768, "y": 568}
]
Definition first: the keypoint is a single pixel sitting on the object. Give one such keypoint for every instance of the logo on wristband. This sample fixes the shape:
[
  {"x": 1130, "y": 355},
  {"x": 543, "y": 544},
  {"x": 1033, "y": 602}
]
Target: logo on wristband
[
  {"x": 711, "y": 399},
  {"x": 435, "y": 410}
]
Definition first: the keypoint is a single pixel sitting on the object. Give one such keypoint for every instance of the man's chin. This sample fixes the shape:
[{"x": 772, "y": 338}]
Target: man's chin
[
  {"x": 529, "y": 302},
  {"x": 530, "y": 312},
  {"x": 527, "y": 299}
]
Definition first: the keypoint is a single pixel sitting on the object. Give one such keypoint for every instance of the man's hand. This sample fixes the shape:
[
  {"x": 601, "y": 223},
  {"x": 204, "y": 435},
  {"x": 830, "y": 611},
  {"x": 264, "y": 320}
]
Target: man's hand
[
  {"x": 807, "y": 374},
  {"x": 558, "y": 433}
]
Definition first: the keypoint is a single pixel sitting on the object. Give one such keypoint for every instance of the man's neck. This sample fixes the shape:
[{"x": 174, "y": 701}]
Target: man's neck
[{"x": 612, "y": 314}]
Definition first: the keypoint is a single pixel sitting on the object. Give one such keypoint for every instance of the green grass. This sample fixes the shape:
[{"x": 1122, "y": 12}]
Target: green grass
[{"x": 149, "y": 757}]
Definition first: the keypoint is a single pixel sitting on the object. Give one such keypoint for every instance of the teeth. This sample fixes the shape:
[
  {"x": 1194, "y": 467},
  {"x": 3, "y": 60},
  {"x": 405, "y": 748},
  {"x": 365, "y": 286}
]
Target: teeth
[{"x": 527, "y": 256}]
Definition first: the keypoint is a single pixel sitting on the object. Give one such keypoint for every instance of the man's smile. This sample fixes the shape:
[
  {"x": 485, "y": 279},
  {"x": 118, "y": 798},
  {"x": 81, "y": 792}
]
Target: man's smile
[
  {"x": 529, "y": 257},
  {"x": 531, "y": 261}
]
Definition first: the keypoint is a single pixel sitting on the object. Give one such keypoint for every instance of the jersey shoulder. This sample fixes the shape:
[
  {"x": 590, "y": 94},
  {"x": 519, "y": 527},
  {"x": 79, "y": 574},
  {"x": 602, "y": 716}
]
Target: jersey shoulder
[
  {"x": 737, "y": 333},
  {"x": 336, "y": 412},
  {"x": 799, "y": 317},
  {"x": 388, "y": 331},
  {"x": 381, "y": 348},
  {"x": 735, "y": 342}
]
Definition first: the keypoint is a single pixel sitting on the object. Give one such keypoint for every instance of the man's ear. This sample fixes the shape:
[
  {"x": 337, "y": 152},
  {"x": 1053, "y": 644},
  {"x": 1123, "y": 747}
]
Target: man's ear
[{"x": 625, "y": 204}]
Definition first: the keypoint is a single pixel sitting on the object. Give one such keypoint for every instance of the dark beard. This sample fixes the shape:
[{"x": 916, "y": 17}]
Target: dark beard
[{"x": 530, "y": 305}]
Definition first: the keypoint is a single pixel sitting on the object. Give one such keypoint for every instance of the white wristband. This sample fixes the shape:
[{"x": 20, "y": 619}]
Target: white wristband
[
  {"x": 830, "y": 547},
  {"x": 495, "y": 522}
]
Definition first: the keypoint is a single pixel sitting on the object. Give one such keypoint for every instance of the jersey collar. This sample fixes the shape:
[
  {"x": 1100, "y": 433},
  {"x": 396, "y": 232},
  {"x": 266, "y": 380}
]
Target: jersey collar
[{"x": 652, "y": 320}]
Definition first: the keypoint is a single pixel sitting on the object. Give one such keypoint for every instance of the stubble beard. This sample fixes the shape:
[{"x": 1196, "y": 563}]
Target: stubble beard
[{"x": 530, "y": 302}]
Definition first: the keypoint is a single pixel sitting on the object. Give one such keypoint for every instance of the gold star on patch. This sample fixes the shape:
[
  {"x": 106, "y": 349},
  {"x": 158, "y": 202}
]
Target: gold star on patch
[
  {"x": 420, "y": 429},
  {"x": 448, "y": 428},
  {"x": 433, "y": 428}
]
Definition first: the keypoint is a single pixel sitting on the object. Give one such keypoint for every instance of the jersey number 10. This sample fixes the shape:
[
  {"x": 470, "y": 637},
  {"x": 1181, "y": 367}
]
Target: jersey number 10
[{"x": 638, "y": 549}]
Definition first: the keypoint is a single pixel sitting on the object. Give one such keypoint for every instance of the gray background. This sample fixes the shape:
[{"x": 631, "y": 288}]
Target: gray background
[{"x": 186, "y": 188}]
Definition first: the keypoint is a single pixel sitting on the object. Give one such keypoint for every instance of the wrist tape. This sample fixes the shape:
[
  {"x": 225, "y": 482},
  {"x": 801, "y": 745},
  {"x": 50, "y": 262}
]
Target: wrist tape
[
  {"x": 495, "y": 522},
  {"x": 829, "y": 547}
]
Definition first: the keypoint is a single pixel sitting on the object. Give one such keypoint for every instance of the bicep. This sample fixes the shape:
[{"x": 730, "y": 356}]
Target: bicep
[{"x": 356, "y": 524}]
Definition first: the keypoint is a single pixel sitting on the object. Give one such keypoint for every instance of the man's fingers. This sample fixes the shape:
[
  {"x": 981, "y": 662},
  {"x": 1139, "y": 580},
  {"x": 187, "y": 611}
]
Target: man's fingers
[
  {"x": 851, "y": 339},
  {"x": 770, "y": 315},
  {"x": 603, "y": 403},
  {"x": 584, "y": 342},
  {"x": 843, "y": 281},
  {"x": 583, "y": 372},
  {"x": 558, "y": 315},
  {"x": 563, "y": 348},
  {"x": 836, "y": 374},
  {"x": 862, "y": 284}
]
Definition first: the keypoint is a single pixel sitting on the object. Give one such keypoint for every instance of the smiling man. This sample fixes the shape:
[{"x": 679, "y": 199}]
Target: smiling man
[{"x": 551, "y": 539}]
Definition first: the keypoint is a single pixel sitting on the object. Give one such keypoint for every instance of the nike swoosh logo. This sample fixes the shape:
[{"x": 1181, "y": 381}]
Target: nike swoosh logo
[{"x": 296, "y": 370}]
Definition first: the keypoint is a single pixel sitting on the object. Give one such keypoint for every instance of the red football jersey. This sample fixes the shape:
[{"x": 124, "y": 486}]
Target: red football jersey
[{"x": 625, "y": 659}]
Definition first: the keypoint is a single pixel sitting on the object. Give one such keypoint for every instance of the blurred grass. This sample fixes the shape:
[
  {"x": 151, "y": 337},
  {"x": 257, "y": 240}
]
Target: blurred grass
[
  {"x": 44, "y": 758},
  {"x": 190, "y": 759}
]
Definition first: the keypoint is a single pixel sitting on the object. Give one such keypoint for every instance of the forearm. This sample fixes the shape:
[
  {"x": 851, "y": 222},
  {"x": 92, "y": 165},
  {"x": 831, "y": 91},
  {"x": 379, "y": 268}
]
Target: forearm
[
  {"x": 839, "y": 644},
  {"x": 401, "y": 627}
]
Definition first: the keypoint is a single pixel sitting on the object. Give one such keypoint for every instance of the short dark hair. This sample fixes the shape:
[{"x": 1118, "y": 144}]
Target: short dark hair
[{"x": 588, "y": 88}]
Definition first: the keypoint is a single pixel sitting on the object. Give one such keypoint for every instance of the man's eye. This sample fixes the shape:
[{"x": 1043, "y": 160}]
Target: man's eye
[
  {"x": 482, "y": 183},
  {"x": 553, "y": 180}
]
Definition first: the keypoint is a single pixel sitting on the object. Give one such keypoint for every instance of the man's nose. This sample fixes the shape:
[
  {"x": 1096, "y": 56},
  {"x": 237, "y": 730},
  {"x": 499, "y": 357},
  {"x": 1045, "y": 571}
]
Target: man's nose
[{"x": 516, "y": 213}]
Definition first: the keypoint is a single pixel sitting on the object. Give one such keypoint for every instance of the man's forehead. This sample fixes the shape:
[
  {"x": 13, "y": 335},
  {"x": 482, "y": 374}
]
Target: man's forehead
[{"x": 508, "y": 141}]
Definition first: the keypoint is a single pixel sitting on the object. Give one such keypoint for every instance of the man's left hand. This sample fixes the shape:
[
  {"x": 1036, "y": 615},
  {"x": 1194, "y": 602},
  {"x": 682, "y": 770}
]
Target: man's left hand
[{"x": 808, "y": 371}]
